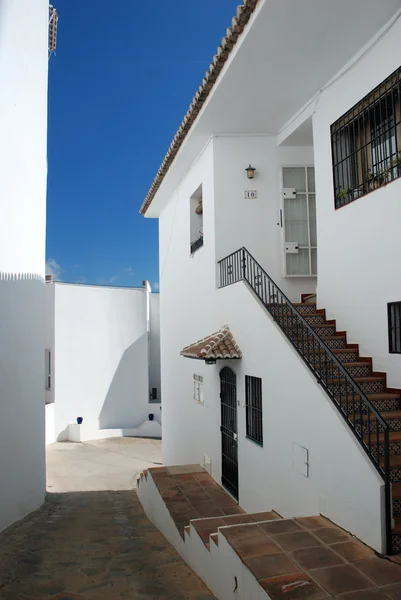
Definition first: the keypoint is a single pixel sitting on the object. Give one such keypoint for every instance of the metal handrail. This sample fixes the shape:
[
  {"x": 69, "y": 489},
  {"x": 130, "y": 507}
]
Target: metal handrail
[{"x": 330, "y": 373}]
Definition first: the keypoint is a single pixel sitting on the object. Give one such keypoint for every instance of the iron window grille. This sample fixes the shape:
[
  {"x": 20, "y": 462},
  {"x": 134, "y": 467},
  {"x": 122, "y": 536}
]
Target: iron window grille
[
  {"x": 394, "y": 327},
  {"x": 197, "y": 244},
  {"x": 366, "y": 143},
  {"x": 48, "y": 369},
  {"x": 253, "y": 407}
]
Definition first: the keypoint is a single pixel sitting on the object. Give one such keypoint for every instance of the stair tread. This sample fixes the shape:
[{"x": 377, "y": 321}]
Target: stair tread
[
  {"x": 395, "y": 461},
  {"x": 339, "y": 336},
  {"x": 396, "y": 490},
  {"x": 375, "y": 396},
  {"x": 386, "y": 414},
  {"x": 397, "y": 526},
  {"x": 363, "y": 379},
  {"x": 333, "y": 350},
  {"x": 395, "y": 436}
]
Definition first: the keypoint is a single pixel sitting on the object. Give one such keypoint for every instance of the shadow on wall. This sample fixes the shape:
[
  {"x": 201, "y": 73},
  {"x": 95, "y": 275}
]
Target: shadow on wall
[{"x": 126, "y": 402}]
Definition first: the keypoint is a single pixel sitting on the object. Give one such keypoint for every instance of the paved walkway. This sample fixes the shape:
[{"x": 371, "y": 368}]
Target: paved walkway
[{"x": 88, "y": 544}]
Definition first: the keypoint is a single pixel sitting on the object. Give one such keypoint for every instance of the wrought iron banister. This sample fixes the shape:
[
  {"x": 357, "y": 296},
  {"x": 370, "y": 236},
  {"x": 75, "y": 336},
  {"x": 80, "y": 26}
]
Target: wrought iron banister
[{"x": 369, "y": 427}]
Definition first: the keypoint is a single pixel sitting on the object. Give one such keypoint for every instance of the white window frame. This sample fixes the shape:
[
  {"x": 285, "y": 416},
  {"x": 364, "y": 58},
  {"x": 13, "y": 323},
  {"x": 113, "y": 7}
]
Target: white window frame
[
  {"x": 282, "y": 220},
  {"x": 48, "y": 369},
  {"x": 198, "y": 388}
]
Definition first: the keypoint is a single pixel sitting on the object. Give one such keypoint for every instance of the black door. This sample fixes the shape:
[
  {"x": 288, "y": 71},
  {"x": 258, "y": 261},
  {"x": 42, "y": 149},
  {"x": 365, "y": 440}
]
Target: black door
[{"x": 229, "y": 445}]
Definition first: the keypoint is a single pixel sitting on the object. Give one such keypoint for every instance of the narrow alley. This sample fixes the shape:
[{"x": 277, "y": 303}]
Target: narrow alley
[{"x": 91, "y": 539}]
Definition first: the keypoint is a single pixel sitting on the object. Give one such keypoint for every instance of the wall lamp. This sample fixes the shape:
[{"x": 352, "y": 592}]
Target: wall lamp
[{"x": 250, "y": 172}]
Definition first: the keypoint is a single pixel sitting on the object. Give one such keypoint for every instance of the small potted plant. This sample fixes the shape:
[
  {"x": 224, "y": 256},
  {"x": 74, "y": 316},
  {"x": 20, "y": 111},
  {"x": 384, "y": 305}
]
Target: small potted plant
[{"x": 342, "y": 194}]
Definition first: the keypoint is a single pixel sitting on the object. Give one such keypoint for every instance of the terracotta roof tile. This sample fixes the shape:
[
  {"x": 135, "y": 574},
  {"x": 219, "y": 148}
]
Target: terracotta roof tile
[
  {"x": 219, "y": 345},
  {"x": 244, "y": 13}
]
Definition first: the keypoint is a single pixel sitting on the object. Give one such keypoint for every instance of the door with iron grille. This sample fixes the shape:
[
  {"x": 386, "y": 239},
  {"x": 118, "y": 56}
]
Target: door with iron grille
[{"x": 229, "y": 444}]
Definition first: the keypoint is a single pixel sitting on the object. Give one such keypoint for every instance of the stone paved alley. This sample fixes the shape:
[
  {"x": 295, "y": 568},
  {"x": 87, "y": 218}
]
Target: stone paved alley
[{"x": 91, "y": 539}]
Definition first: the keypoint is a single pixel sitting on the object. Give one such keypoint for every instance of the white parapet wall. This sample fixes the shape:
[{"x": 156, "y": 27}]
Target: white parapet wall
[
  {"x": 23, "y": 126},
  {"x": 100, "y": 342}
]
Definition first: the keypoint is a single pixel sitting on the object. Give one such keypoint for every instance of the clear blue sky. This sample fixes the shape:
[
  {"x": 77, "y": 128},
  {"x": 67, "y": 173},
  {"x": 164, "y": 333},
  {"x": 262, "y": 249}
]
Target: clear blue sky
[{"x": 119, "y": 85}]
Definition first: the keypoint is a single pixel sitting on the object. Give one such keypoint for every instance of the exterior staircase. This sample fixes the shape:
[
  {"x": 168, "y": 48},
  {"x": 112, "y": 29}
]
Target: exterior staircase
[
  {"x": 369, "y": 408},
  {"x": 386, "y": 400},
  {"x": 259, "y": 556}
]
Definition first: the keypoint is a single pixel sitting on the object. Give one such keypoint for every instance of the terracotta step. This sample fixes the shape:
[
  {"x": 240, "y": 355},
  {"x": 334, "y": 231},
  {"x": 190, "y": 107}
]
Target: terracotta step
[
  {"x": 392, "y": 417},
  {"x": 396, "y": 490},
  {"x": 300, "y": 306},
  {"x": 332, "y": 341},
  {"x": 395, "y": 467},
  {"x": 369, "y": 385},
  {"x": 397, "y": 527},
  {"x": 385, "y": 401},
  {"x": 315, "y": 318},
  {"x": 342, "y": 354},
  {"x": 209, "y": 526},
  {"x": 355, "y": 369}
]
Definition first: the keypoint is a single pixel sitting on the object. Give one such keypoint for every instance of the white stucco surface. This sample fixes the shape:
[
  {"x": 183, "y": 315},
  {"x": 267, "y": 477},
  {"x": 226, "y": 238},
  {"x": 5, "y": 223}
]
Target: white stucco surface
[
  {"x": 359, "y": 270},
  {"x": 23, "y": 126},
  {"x": 101, "y": 366}
]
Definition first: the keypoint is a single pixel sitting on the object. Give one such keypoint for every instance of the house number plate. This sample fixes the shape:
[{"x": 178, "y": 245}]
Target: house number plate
[{"x": 250, "y": 194}]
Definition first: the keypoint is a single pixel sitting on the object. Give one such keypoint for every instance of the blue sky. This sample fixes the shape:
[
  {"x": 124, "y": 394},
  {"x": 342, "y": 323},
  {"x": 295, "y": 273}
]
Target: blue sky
[{"x": 119, "y": 85}]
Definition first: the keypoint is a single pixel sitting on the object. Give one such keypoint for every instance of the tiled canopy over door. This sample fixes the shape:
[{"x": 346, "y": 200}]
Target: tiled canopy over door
[{"x": 300, "y": 221}]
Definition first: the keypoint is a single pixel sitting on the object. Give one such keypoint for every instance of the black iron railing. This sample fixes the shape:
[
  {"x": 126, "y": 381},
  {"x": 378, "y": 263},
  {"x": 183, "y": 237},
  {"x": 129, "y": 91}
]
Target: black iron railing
[
  {"x": 196, "y": 244},
  {"x": 367, "y": 424}
]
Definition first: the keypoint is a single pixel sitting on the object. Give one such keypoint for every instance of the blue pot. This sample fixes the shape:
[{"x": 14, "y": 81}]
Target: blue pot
[
  {"x": 151, "y": 417},
  {"x": 79, "y": 420}
]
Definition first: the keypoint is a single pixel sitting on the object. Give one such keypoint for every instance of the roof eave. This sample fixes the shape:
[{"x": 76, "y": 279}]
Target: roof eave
[{"x": 239, "y": 22}]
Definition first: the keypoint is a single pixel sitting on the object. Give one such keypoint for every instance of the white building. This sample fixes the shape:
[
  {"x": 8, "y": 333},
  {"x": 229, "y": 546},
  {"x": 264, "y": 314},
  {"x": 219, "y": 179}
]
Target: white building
[
  {"x": 102, "y": 362},
  {"x": 308, "y": 93},
  {"x": 24, "y": 37}
]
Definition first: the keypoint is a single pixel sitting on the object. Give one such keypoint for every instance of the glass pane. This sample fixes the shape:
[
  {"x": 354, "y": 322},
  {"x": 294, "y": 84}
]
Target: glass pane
[
  {"x": 296, "y": 220},
  {"x": 314, "y": 261},
  {"x": 312, "y": 219},
  {"x": 298, "y": 264},
  {"x": 311, "y": 179},
  {"x": 295, "y": 177}
]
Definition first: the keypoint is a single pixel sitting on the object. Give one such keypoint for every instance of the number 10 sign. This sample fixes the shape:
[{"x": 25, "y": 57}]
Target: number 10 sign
[{"x": 250, "y": 194}]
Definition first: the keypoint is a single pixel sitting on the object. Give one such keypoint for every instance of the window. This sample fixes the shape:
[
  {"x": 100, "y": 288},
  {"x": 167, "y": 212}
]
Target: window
[
  {"x": 366, "y": 143},
  {"x": 153, "y": 395},
  {"x": 196, "y": 208},
  {"x": 253, "y": 407},
  {"x": 198, "y": 388},
  {"x": 300, "y": 238},
  {"x": 48, "y": 369},
  {"x": 394, "y": 327}
]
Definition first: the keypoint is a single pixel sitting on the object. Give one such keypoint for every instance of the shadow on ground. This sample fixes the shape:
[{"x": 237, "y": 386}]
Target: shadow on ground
[{"x": 92, "y": 546}]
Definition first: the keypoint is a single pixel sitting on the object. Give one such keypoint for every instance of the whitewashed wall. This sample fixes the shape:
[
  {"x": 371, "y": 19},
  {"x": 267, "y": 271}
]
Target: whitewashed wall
[
  {"x": 295, "y": 408},
  {"x": 187, "y": 310},
  {"x": 23, "y": 126},
  {"x": 254, "y": 223},
  {"x": 358, "y": 258},
  {"x": 101, "y": 358}
]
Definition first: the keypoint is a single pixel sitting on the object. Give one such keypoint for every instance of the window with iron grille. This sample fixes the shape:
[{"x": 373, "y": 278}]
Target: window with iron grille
[
  {"x": 253, "y": 407},
  {"x": 198, "y": 388},
  {"x": 394, "y": 327},
  {"x": 366, "y": 143}
]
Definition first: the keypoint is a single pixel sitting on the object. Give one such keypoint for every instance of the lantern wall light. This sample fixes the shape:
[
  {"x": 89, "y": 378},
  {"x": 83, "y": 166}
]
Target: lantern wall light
[{"x": 250, "y": 172}]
